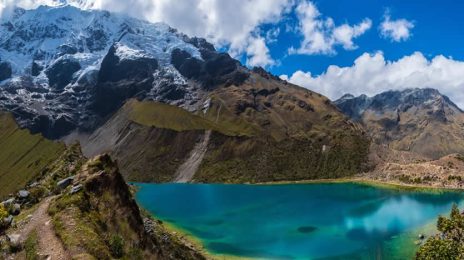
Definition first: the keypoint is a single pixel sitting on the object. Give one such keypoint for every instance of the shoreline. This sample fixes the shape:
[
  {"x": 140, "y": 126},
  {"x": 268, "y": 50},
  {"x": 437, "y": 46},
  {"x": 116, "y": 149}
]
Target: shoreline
[
  {"x": 196, "y": 244},
  {"x": 367, "y": 181}
]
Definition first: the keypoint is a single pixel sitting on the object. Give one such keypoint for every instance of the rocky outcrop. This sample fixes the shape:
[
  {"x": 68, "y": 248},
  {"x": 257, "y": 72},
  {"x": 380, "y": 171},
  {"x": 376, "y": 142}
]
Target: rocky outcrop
[
  {"x": 120, "y": 79},
  {"x": 5, "y": 71},
  {"x": 63, "y": 184},
  {"x": 421, "y": 121},
  {"x": 61, "y": 73},
  {"x": 98, "y": 218},
  {"x": 216, "y": 68}
]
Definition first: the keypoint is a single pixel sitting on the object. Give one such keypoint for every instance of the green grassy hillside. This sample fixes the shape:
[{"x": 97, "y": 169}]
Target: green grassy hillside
[
  {"x": 171, "y": 117},
  {"x": 23, "y": 156}
]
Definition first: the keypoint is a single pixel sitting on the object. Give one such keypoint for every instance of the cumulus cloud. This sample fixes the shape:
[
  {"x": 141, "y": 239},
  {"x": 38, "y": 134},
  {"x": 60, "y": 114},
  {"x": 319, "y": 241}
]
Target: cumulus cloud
[
  {"x": 7, "y": 5},
  {"x": 371, "y": 74},
  {"x": 321, "y": 35},
  {"x": 258, "y": 53},
  {"x": 230, "y": 24},
  {"x": 234, "y": 24},
  {"x": 396, "y": 30}
]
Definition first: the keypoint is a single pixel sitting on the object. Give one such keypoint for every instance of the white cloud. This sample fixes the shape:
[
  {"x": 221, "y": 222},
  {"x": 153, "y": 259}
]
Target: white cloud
[
  {"x": 272, "y": 34},
  {"x": 320, "y": 36},
  {"x": 7, "y": 5},
  {"x": 396, "y": 30},
  {"x": 371, "y": 74},
  {"x": 232, "y": 24},
  {"x": 258, "y": 53},
  {"x": 226, "y": 23}
]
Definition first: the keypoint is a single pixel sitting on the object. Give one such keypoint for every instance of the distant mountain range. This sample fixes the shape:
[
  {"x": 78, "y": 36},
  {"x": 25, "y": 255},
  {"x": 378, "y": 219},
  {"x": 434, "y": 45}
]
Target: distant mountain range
[{"x": 422, "y": 121}]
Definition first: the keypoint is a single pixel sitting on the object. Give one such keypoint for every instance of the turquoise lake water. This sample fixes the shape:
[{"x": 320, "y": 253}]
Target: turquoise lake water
[{"x": 299, "y": 221}]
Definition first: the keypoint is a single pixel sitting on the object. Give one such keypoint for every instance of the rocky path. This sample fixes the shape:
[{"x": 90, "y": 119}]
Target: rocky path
[
  {"x": 187, "y": 170},
  {"x": 50, "y": 246}
]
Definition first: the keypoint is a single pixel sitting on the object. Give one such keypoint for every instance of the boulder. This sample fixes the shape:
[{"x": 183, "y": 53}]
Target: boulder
[
  {"x": 15, "y": 209},
  {"x": 63, "y": 184},
  {"x": 23, "y": 194},
  {"x": 75, "y": 189},
  {"x": 14, "y": 240},
  {"x": 7, "y": 202},
  {"x": 36, "y": 69},
  {"x": 8, "y": 221},
  {"x": 35, "y": 184}
]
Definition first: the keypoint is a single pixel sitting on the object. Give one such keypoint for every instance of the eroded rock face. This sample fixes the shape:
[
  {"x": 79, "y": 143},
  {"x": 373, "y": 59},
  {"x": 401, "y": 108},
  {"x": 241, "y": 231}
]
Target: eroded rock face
[
  {"x": 36, "y": 69},
  {"x": 120, "y": 79},
  {"x": 60, "y": 74},
  {"x": 214, "y": 70},
  {"x": 5, "y": 71},
  {"x": 114, "y": 69}
]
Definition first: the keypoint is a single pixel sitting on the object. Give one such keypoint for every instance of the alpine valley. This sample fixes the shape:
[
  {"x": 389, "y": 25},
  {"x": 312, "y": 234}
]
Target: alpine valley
[{"x": 93, "y": 103}]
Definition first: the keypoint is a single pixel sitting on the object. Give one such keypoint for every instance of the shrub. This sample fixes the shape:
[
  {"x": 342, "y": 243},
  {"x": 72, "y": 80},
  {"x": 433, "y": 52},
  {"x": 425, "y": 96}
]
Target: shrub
[
  {"x": 3, "y": 212},
  {"x": 460, "y": 157},
  {"x": 37, "y": 193},
  {"x": 454, "y": 177},
  {"x": 450, "y": 243},
  {"x": 117, "y": 246}
]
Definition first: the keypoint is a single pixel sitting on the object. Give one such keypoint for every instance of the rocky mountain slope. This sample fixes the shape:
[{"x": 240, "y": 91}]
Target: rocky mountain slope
[
  {"x": 62, "y": 68},
  {"x": 84, "y": 209},
  {"x": 263, "y": 130},
  {"x": 69, "y": 72},
  {"x": 101, "y": 220},
  {"x": 421, "y": 121}
]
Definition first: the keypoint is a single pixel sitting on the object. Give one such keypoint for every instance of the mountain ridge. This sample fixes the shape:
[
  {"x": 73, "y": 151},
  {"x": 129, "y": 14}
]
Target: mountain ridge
[
  {"x": 57, "y": 67},
  {"x": 80, "y": 69},
  {"x": 418, "y": 120}
]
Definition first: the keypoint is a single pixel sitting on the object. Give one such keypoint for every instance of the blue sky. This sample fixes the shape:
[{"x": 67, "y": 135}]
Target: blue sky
[{"x": 438, "y": 29}]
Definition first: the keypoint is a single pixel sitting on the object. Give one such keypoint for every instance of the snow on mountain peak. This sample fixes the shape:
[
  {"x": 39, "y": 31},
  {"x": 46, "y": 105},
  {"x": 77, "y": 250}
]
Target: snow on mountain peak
[
  {"x": 47, "y": 33},
  {"x": 51, "y": 65}
]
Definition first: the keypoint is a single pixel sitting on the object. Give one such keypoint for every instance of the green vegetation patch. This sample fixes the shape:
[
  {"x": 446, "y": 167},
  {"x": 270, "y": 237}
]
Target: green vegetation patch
[
  {"x": 247, "y": 160},
  {"x": 23, "y": 156},
  {"x": 161, "y": 115},
  {"x": 31, "y": 245},
  {"x": 76, "y": 228}
]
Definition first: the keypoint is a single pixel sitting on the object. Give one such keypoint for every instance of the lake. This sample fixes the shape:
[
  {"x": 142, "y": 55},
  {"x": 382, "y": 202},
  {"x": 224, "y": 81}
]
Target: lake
[{"x": 300, "y": 221}]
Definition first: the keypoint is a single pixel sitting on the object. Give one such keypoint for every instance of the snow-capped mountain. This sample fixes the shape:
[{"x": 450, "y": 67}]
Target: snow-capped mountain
[{"x": 63, "y": 67}]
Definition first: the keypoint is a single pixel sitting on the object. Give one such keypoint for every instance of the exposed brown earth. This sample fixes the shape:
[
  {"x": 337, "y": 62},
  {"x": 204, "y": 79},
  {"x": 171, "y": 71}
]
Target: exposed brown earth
[
  {"x": 49, "y": 245},
  {"x": 414, "y": 170}
]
